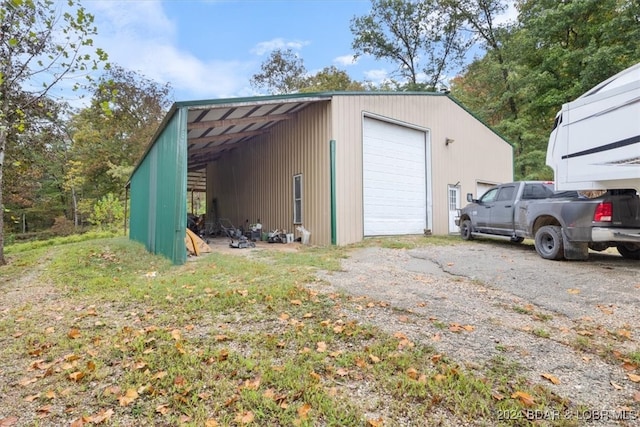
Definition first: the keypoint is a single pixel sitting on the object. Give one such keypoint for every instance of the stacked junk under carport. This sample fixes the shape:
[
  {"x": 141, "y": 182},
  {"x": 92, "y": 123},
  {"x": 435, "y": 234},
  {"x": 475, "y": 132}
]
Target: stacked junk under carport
[{"x": 201, "y": 232}]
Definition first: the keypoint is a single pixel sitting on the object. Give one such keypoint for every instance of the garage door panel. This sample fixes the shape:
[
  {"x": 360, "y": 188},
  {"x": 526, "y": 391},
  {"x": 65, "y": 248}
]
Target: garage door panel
[{"x": 394, "y": 179}]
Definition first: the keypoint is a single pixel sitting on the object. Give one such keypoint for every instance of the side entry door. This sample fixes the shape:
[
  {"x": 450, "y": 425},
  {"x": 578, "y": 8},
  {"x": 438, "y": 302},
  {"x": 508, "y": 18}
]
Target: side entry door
[
  {"x": 482, "y": 215},
  {"x": 454, "y": 205},
  {"x": 502, "y": 210}
]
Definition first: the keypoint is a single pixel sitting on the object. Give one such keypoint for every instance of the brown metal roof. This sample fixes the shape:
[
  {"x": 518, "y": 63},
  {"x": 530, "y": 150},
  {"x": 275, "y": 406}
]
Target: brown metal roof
[{"x": 216, "y": 127}]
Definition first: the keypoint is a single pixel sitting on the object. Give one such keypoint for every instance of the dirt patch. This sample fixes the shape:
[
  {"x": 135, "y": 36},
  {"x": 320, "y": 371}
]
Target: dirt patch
[{"x": 478, "y": 301}]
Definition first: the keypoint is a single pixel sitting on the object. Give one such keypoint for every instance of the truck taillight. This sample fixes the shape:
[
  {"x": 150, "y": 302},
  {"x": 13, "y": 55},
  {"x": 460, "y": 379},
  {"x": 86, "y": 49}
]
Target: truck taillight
[{"x": 603, "y": 213}]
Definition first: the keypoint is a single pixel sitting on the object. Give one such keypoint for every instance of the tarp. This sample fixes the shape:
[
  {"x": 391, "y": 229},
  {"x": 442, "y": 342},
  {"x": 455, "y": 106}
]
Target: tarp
[{"x": 195, "y": 245}]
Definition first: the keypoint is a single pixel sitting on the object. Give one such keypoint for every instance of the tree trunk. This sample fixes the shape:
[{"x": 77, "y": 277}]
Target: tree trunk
[{"x": 3, "y": 145}]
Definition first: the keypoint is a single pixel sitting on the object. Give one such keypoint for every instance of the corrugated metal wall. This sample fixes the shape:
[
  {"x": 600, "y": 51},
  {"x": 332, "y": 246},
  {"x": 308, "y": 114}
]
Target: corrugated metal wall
[
  {"x": 477, "y": 153},
  {"x": 159, "y": 193},
  {"x": 255, "y": 180}
]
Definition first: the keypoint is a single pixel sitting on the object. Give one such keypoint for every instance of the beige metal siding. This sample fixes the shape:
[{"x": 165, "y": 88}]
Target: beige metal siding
[
  {"x": 477, "y": 153},
  {"x": 255, "y": 180}
]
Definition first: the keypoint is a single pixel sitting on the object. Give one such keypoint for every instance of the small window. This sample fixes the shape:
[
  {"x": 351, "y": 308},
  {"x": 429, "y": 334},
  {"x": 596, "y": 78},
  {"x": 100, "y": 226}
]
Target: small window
[
  {"x": 297, "y": 199},
  {"x": 489, "y": 196},
  {"x": 506, "y": 194}
]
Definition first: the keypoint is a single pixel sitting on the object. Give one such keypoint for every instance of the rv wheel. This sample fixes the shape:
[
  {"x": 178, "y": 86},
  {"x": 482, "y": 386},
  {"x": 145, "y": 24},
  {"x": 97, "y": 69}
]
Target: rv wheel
[
  {"x": 629, "y": 250},
  {"x": 549, "y": 243}
]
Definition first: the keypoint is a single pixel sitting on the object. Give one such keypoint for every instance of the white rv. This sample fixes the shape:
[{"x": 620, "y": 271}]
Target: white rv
[{"x": 595, "y": 142}]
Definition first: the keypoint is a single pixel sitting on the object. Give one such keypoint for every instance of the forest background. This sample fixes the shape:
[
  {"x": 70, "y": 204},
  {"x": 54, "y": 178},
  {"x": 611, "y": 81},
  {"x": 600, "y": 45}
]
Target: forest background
[{"x": 64, "y": 169}]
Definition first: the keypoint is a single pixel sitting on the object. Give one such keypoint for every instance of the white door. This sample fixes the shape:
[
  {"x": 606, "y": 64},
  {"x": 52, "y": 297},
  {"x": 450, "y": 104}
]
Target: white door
[
  {"x": 454, "y": 205},
  {"x": 394, "y": 179}
]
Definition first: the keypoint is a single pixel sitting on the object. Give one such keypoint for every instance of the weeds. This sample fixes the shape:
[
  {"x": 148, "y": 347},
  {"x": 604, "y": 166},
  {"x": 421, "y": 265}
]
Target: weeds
[{"x": 124, "y": 336}]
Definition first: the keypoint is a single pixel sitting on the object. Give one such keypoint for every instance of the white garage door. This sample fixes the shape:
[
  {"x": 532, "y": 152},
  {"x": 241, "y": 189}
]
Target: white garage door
[{"x": 394, "y": 179}]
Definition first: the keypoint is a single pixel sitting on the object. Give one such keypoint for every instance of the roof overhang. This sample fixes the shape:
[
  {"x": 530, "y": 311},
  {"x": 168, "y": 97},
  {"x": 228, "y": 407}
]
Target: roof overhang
[{"x": 219, "y": 126}]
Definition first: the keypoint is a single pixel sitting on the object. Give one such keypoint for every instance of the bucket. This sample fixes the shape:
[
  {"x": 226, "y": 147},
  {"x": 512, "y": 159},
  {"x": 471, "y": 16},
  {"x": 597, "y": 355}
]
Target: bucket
[
  {"x": 289, "y": 237},
  {"x": 305, "y": 237}
]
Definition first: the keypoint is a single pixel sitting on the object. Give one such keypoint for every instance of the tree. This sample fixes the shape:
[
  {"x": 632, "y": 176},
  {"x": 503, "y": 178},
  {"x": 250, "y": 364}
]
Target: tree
[
  {"x": 422, "y": 38},
  {"x": 40, "y": 47},
  {"x": 283, "y": 72},
  {"x": 330, "y": 79},
  {"x": 111, "y": 134},
  {"x": 555, "y": 52}
]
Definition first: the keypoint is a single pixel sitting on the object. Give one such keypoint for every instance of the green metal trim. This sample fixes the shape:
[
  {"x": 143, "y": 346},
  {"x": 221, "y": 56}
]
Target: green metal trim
[
  {"x": 301, "y": 97},
  {"x": 332, "y": 162}
]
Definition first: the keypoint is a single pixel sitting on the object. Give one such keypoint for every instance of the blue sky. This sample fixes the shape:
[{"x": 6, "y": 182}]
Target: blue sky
[{"x": 210, "y": 48}]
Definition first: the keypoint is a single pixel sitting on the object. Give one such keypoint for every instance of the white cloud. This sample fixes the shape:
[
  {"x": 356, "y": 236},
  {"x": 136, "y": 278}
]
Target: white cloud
[
  {"x": 277, "y": 43},
  {"x": 345, "y": 60},
  {"x": 376, "y": 76},
  {"x": 140, "y": 37},
  {"x": 509, "y": 16}
]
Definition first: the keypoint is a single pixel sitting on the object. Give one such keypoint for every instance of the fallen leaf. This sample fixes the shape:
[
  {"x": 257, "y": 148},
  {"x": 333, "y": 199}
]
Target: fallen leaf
[
  {"x": 284, "y": 316},
  {"x": 636, "y": 396},
  {"x": 44, "y": 411},
  {"x": 374, "y": 359},
  {"x": 616, "y": 386},
  {"x": 321, "y": 347},
  {"x": 525, "y": 398},
  {"x": 163, "y": 409},
  {"x": 625, "y": 333},
  {"x": 160, "y": 375},
  {"x": 253, "y": 384},
  {"x": 628, "y": 366},
  {"x": 9, "y": 421},
  {"x": 128, "y": 397},
  {"x": 551, "y": 378},
  {"x": 31, "y": 397},
  {"x": 295, "y": 302},
  {"x": 436, "y": 337},
  {"x": 635, "y": 378},
  {"x": 573, "y": 291},
  {"x": 375, "y": 423},
  {"x": 303, "y": 411},
  {"x": 76, "y": 376},
  {"x": 343, "y": 372},
  {"x": 412, "y": 373},
  {"x": 211, "y": 423},
  {"x": 176, "y": 334},
  {"x": 73, "y": 333},
  {"x": 102, "y": 416},
  {"x": 245, "y": 417}
]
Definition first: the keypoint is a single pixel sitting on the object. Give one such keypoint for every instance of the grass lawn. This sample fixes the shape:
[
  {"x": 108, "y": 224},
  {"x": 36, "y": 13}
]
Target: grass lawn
[{"x": 100, "y": 332}]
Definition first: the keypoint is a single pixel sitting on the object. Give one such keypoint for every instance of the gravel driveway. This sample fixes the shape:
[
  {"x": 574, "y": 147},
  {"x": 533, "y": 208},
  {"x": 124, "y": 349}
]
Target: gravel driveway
[{"x": 475, "y": 301}]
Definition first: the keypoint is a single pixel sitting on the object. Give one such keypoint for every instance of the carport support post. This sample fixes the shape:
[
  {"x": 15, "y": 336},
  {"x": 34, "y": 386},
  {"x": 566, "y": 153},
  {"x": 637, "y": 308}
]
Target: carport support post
[{"x": 332, "y": 162}]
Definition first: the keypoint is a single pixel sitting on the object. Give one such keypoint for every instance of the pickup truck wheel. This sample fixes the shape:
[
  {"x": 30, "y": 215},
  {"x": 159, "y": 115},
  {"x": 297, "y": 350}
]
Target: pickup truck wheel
[
  {"x": 549, "y": 243},
  {"x": 629, "y": 250},
  {"x": 465, "y": 230}
]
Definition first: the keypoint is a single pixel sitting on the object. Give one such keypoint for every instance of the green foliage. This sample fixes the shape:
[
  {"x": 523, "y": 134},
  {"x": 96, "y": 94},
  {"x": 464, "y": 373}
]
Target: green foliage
[
  {"x": 424, "y": 39},
  {"x": 59, "y": 35},
  {"x": 283, "y": 72},
  {"x": 558, "y": 51},
  {"x": 330, "y": 79},
  {"x": 108, "y": 212}
]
